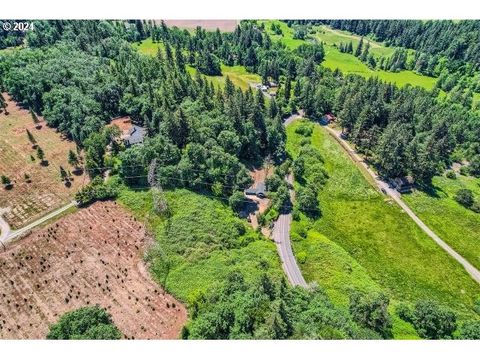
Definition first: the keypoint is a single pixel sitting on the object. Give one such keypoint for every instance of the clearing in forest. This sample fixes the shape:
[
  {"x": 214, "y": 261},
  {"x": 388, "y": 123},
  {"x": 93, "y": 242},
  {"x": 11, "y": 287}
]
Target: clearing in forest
[
  {"x": 37, "y": 189},
  {"x": 94, "y": 256}
]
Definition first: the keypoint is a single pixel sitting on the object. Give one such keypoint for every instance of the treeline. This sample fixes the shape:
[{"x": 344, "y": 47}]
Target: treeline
[
  {"x": 405, "y": 131},
  {"x": 458, "y": 41},
  {"x": 443, "y": 48}
]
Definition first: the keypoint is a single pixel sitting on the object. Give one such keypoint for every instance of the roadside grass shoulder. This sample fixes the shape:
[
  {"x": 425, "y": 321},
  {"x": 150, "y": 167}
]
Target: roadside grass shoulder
[
  {"x": 392, "y": 250},
  {"x": 200, "y": 244},
  {"x": 455, "y": 224}
]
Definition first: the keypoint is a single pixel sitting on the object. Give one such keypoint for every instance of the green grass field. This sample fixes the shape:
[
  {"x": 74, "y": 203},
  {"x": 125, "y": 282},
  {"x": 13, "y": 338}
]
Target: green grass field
[
  {"x": 363, "y": 241},
  {"x": 458, "y": 226},
  {"x": 349, "y": 64},
  {"x": 332, "y": 36},
  {"x": 202, "y": 243},
  {"x": 148, "y": 47},
  {"x": 238, "y": 75},
  {"x": 287, "y": 34}
]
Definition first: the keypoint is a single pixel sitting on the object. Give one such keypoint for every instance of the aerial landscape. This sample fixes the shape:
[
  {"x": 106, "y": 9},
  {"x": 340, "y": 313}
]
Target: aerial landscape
[{"x": 240, "y": 179}]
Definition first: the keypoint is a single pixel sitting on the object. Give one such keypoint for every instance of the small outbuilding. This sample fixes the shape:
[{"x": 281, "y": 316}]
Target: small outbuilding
[
  {"x": 403, "y": 184},
  {"x": 260, "y": 190}
]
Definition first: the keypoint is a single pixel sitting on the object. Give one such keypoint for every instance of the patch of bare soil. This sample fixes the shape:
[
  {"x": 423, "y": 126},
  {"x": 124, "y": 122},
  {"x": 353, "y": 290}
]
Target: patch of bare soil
[{"x": 93, "y": 256}]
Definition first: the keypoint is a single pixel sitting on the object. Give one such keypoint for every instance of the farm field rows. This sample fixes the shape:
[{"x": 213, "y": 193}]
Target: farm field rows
[
  {"x": 363, "y": 241},
  {"x": 458, "y": 226},
  {"x": 93, "y": 256},
  {"x": 27, "y": 201}
]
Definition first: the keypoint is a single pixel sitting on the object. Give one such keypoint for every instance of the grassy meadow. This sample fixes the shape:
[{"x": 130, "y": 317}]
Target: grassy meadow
[
  {"x": 363, "y": 241},
  {"x": 201, "y": 243},
  {"x": 458, "y": 226}
]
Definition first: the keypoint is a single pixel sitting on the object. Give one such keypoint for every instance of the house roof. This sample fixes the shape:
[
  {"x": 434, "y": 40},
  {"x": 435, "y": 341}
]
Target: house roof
[{"x": 136, "y": 135}]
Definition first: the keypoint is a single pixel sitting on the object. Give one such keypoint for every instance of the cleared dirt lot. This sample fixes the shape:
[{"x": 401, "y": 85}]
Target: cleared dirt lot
[
  {"x": 46, "y": 192},
  {"x": 223, "y": 25},
  {"x": 93, "y": 256}
]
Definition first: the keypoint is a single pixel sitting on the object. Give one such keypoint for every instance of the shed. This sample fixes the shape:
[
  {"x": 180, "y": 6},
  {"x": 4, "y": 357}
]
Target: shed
[{"x": 403, "y": 184}]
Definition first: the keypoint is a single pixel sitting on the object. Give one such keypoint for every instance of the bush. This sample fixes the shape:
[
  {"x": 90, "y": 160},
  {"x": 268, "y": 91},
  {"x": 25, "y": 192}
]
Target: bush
[
  {"x": 88, "y": 323},
  {"x": 404, "y": 312},
  {"x": 433, "y": 321},
  {"x": 464, "y": 197},
  {"x": 450, "y": 174},
  {"x": 305, "y": 129},
  {"x": 371, "y": 311},
  {"x": 237, "y": 201},
  {"x": 476, "y": 207},
  {"x": 96, "y": 190},
  {"x": 302, "y": 257},
  {"x": 307, "y": 201},
  {"x": 470, "y": 330}
]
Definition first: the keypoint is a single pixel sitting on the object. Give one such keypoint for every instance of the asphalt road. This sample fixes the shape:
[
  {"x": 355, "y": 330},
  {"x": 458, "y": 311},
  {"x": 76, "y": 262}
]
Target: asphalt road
[
  {"x": 395, "y": 195},
  {"x": 281, "y": 236}
]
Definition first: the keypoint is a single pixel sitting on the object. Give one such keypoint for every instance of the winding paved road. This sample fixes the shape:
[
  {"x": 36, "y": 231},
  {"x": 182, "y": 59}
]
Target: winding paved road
[
  {"x": 395, "y": 195},
  {"x": 281, "y": 234}
]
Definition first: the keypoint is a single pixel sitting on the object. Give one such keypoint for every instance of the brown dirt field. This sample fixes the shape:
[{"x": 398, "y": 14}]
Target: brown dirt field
[
  {"x": 93, "y": 256},
  {"x": 223, "y": 25},
  {"x": 46, "y": 192}
]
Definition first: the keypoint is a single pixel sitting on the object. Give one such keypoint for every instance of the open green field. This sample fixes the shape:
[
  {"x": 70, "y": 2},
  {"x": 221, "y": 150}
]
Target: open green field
[
  {"x": 458, "y": 226},
  {"x": 238, "y": 74},
  {"x": 148, "y": 47},
  {"x": 287, "y": 34},
  {"x": 334, "y": 37},
  {"x": 349, "y": 64},
  {"x": 201, "y": 243},
  {"x": 363, "y": 241}
]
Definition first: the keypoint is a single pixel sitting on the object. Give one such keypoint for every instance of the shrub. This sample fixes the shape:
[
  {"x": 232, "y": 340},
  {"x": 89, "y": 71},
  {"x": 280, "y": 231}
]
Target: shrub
[
  {"x": 470, "y": 330},
  {"x": 404, "y": 312},
  {"x": 371, "y": 311},
  {"x": 305, "y": 129},
  {"x": 433, "y": 321},
  {"x": 237, "y": 201},
  {"x": 307, "y": 201},
  {"x": 464, "y": 197},
  {"x": 302, "y": 257},
  {"x": 97, "y": 190},
  {"x": 88, "y": 323},
  {"x": 450, "y": 174}
]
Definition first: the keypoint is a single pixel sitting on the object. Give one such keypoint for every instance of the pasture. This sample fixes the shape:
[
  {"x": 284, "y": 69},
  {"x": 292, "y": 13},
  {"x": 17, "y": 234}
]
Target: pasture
[
  {"x": 371, "y": 241},
  {"x": 455, "y": 224},
  {"x": 94, "y": 256}
]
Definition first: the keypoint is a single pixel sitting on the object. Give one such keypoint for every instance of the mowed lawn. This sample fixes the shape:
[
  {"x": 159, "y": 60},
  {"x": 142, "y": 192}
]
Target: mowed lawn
[
  {"x": 201, "y": 244},
  {"x": 364, "y": 241},
  {"x": 458, "y": 226}
]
